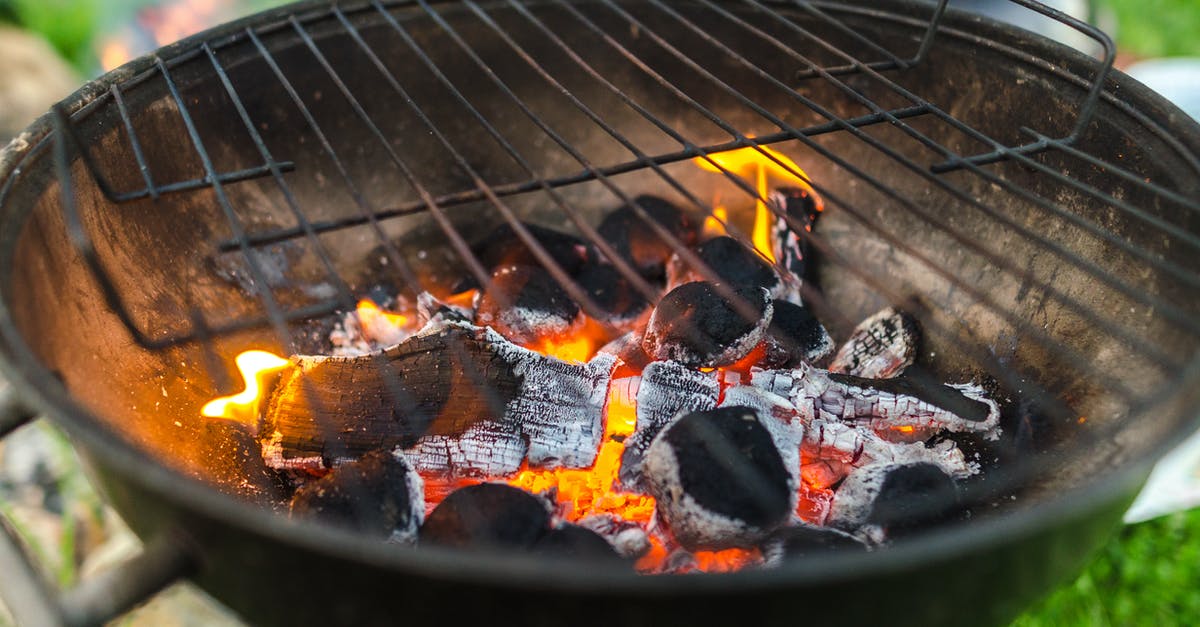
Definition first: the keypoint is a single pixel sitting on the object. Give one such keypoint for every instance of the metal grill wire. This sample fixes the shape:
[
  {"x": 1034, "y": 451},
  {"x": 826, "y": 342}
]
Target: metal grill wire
[{"x": 865, "y": 59}]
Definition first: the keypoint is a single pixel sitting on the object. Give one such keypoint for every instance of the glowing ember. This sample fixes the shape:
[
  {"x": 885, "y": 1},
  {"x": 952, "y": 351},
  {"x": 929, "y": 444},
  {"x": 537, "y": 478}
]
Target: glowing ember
[
  {"x": 747, "y": 161},
  {"x": 243, "y": 407},
  {"x": 384, "y": 327},
  {"x": 577, "y": 349}
]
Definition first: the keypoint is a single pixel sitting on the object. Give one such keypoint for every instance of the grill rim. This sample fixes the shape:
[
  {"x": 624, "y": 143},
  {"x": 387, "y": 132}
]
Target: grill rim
[{"x": 38, "y": 387}]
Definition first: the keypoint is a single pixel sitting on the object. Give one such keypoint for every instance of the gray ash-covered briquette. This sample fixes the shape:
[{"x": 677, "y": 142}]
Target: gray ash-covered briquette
[
  {"x": 639, "y": 243},
  {"x": 488, "y": 515},
  {"x": 803, "y": 541},
  {"x": 380, "y": 495},
  {"x": 612, "y": 292},
  {"x": 895, "y": 499},
  {"x": 880, "y": 347},
  {"x": 733, "y": 262},
  {"x": 577, "y": 544},
  {"x": 789, "y": 247},
  {"x": 525, "y": 305},
  {"x": 696, "y": 325},
  {"x": 718, "y": 480},
  {"x": 794, "y": 337}
]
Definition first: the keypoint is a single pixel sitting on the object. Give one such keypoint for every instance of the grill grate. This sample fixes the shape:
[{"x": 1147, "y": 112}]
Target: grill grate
[{"x": 825, "y": 65}]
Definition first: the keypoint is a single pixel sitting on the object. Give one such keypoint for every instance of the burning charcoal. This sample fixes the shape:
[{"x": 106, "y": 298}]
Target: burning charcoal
[
  {"x": 781, "y": 420},
  {"x": 488, "y": 515},
  {"x": 881, "y": 347},
  {"x": 894, "y": 408},
  {"x": 576, "y": 543},
  {"x": 791, "y": 249},
  {"x": 795, "y": 337},
  {"x": 612, "y": 292},
  {"x": 639, "y": 243},
  {"x": 896, "y": 499},
  {"x": 628, "y": 351},
  {"x": 718, "y": 479},
  {"x": 732, "y": 261},
  {"x": 666, "y": 389},
  {"x": 694, "y": 324},
  {"x": 461, "y": 399},
  {"x": 804, "y": 541},
  {"x": 629, "y": 539},
  {"x": 525, "y": 304},
  {"x": 503, "y": 247},
  {"x": 380, "y": 494}
]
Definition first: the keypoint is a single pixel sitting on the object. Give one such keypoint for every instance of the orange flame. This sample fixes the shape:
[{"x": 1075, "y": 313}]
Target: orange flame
[
  {"x": 369, "y": 314},
  {"x": 747, "y": 161},
  {"x": 255, "y": 366}
]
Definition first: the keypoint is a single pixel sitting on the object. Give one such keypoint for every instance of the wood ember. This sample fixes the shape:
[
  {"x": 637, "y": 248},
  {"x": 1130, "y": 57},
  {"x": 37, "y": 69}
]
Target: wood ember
[
  {"x": 460, "y": 399},
  {"x": 696, "y": 325},
  {"x": 836, "y": 448},
  {"x": 891, "y": 500},
  {"x": 526, "y": 305},
  {"x": 732, "y": 261},
  {"x": 487, "y": 515},
  {"x": 795, "y": 337},
  {"x": 629, "y": 539},
  {"x": 576, "y": 543},
  {"x": 893, "y": 408},
  {"x": 790, "y": 249},
  {"x": 881, "y": 347},
  {"x": 666, "y": 389},
  {"x": 807, "y": 541},
  {"x": 718, "y": 479},
  {"x": 379, "y": 495},
  {"x": 638, "y": 242}
]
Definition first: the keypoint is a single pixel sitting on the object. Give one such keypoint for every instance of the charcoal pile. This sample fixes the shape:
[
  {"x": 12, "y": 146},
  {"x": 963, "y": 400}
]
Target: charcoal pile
[{"x": 694, "y": 415}]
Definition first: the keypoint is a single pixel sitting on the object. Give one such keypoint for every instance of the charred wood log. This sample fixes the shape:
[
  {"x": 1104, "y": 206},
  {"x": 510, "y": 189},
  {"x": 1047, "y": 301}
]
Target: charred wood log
[
  {"x": 791, "y": 249},
  {"x": 718, "y": 480},
  {"x": 379, "y": 494},
  {"x": 666, "y": 389},
  {"x": 489, "y": 515},
  {"x": 696, "y": 325},
  {"x": 881, "y": 347}
]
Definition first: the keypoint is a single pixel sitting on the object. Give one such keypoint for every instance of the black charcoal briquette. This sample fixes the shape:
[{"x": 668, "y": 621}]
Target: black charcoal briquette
[{"x": 487, "y": 515}]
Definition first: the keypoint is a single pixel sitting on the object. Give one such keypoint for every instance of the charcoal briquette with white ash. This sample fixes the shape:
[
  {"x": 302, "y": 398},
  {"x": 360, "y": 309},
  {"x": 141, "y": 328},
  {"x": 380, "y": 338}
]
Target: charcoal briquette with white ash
[
  {"x": 807, "y": 541},
  {"x": 666, "y": 388},
  {"x": 703, "y": 324},
  {"x": 379, "y": 494},
  {"x": 490, "y": 515},
  {"x": 637, "y": 240},
  {"x": 576, "y": 543},
  {"x": 612, "y": 293},
  {"x": 789, "y": 247},
  {"x": 526, "y": 305},
  {"x": 895, "y": 499},
  {"x": 504, "y": 247},
  {"x": 795, "y": 336},
  {"x": 881, "y": 347},
  {"x": 718, "y": 480},
  {"x": 734, "y": 263}
]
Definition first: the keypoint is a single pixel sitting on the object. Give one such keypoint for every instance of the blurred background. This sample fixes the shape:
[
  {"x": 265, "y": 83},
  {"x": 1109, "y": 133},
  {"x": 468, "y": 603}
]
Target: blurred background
[{"x": 1148, "y": 575}]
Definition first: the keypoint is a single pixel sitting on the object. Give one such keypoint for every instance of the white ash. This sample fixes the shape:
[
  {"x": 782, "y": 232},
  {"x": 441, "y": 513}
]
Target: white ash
[
  {"x": 836, "y": 443},
  {"x": 666, "y": 390},
  {"x": 274, "y": 457},
  {"x": 628, "y": 538},
  {"x": 432, "y": 310},
  {"x": 354, "y": 337},
  {"x": 487, "y": 449},
  {"x": 881, "y": 347},
  {"x": 561, "y": 409}
]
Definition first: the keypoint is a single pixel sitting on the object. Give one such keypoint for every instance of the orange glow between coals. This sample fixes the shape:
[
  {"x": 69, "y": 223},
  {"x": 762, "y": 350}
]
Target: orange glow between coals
[
  {"x": 243, "y": 407},
  {"x": 749, "y": 161},
  {"x": 369, "y": 314},
  {"x": 578, "y": 349}
]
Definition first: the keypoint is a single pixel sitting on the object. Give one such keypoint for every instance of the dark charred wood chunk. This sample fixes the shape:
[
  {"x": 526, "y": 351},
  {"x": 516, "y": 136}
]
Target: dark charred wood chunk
[
  {"x": 612, "y": 292},
  {"x": 525, "y": 304},
  {"x": 637, "y": 241},
  {"x": 733, "y": 262},
  {"x": 895, "y": 499},
  {"x": 881, "y": 347},
  {"x": 718, "y": 479},
  {"x": 379, "y": 494},
  {"x": 804, "y": 541},
  {"x": 696, "y": 325},
  {"x": 667, "y": 388},
  {"x": 790, "y": 248},
  {"x": 795, "y": 337},
  {"x": 503, "y": 247},
  {"x": 488, "y": 515},
  {"x": 576, "y": 543}
]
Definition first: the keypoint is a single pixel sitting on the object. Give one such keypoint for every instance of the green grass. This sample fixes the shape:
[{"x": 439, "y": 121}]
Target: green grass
[
  {"x": 1156, "y": 28},
  {"x": 1148, "y": 575}
]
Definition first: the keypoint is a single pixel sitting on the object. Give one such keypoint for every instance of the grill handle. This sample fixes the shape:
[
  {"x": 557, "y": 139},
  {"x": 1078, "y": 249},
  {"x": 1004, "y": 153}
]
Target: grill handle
[{"x": 34, "y": 602}]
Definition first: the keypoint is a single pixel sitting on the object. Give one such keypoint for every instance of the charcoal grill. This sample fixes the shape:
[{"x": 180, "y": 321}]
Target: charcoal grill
[{"x": 1034, "y": 208}]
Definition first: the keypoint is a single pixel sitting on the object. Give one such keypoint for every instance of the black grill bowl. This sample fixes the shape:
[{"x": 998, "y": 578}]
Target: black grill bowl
[{"x": 1065, "y": 275}]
